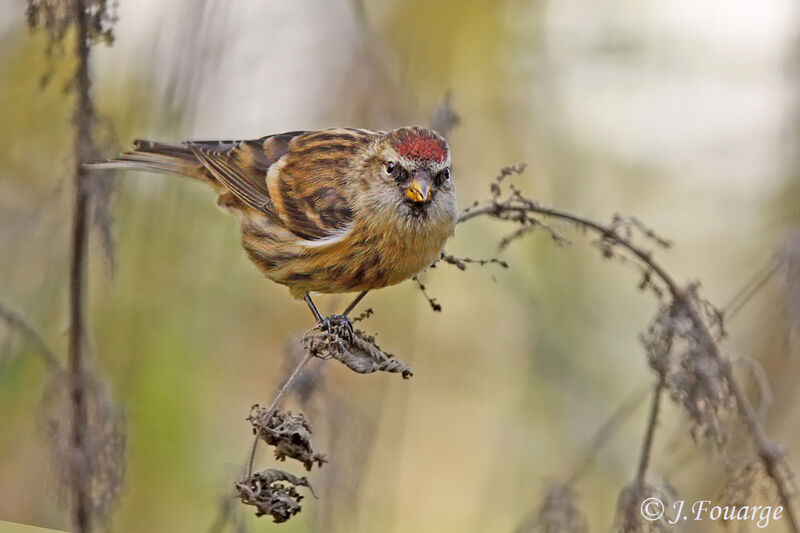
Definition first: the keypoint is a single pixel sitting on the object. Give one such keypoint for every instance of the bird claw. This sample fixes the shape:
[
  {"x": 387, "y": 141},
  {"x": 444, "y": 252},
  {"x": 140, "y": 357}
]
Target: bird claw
[{"x": 339, "y": 325}]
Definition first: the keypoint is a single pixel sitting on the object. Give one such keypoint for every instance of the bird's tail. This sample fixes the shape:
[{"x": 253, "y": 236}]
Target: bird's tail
[{"x": 158, "y": 157}]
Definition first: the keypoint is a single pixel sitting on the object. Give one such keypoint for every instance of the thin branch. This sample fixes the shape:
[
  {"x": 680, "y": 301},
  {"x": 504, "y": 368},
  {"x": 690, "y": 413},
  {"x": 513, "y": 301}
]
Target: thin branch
[
  {"x": 769, "y": 453},
  {"x": 495, "y": 209},
  {"x": 17, "y": 321},
  {"x": 462, "y": 262},
  {"x": 274, "y": 405},
  {"x": 664, "y": 346},
  {"x": 647, "y": 443},
  {"x": 605, "y": 431},
  {"x": 751, "y": 288},
  {"x": 224, "y": 515},
  {"x": 435, "y": 305}
]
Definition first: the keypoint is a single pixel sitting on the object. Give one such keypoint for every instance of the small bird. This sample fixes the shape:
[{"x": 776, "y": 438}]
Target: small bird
[{"x": 328, "y": 211}]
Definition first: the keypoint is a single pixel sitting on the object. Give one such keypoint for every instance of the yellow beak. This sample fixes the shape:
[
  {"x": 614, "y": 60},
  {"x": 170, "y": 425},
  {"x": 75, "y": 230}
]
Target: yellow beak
[{"x": 418, "y": 191}]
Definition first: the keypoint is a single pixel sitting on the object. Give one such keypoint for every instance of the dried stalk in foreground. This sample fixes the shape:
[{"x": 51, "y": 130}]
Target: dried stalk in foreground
[
  {"x": 90, "y": 20},
  {"x": 76, "y": 355}
]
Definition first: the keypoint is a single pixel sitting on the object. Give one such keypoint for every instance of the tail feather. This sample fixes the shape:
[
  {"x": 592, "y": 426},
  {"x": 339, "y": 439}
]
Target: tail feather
[{"x": 158, "y": 157}]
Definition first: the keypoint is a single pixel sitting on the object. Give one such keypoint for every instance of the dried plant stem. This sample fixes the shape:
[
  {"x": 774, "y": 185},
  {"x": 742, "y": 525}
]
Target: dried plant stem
[
  {"x": 76, "y": 353},
  {"x": 751, "y": 288},
  {"x": 767, "y": 451},
  {"x": 275, "y": 403},
  {"x": 16, "y": 321},
  {"x": 496, "y": 209},
  {"x": 649, "y": 434},
  {"x": 224, "y": 515},
  {"x": 605, "y": 431},
  {"x": 655, "y": 408}
]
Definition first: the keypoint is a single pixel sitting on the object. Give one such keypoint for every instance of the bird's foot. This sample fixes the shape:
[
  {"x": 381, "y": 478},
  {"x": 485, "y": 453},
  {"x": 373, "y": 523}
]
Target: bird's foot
[{"x": 339, "y": 325}]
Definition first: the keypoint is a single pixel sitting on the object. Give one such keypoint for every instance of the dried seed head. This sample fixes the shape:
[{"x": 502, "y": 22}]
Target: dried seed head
[
  {"x": 680, "y": 353},
  {"x": 288, "y": 433},
  {"x": 748, "y": 482},
  {"x": 559, "y": 512},
  {"x": 272, "y": 492},
  {"x": 102, "y": 467},
  {"x": 361, "y": 354}
]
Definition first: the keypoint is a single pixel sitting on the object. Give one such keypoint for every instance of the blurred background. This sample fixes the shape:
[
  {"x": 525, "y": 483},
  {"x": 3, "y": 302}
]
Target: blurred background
[{"x": 682, "y": 113}]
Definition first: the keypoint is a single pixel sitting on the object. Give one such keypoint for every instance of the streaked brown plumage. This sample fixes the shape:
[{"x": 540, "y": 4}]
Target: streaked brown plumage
[{"x": 326, "y": 211}]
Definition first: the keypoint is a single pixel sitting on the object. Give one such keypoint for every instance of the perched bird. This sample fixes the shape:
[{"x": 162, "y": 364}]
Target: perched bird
[{"x": 328, "y": 211}]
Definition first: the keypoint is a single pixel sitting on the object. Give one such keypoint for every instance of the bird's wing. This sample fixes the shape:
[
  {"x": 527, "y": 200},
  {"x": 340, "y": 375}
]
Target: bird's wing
[
  {"x": 308, "y": 186},
  {"x": 242, "y": 165}
]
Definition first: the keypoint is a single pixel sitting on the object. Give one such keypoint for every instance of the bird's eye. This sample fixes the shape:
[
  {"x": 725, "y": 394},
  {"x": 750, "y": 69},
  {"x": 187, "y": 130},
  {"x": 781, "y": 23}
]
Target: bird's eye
[
  {"x": 443, "y": 176},
  {"x": 390, "y": 166}
]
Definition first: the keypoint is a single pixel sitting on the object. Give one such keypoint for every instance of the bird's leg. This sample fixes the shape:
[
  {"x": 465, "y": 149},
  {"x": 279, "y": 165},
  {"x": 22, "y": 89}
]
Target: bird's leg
[
  {"x": 354, "y": 303},
  {"x": 313, "y": 308},
  {"x": 339, "y": 325},
  {"x": 344, "y": 319}
]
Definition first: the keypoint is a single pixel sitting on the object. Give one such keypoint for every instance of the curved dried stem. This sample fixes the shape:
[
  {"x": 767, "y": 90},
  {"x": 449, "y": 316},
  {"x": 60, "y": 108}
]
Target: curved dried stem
[
  {"x": 522, "y": 211},
  {"x": 521, "y": 206}
]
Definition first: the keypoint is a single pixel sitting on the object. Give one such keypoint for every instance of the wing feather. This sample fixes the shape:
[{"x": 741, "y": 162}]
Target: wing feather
[
  {"x": 234, "y": 177},
  {"x": 309, "y": 185},
  {"x": 242, "y": 165},
  {"x": 300, "y": 179}
]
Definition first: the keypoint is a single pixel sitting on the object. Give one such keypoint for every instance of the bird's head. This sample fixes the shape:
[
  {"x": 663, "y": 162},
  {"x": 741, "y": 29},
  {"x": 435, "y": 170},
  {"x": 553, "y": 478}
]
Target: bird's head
[{"x": 414, "y": 163}]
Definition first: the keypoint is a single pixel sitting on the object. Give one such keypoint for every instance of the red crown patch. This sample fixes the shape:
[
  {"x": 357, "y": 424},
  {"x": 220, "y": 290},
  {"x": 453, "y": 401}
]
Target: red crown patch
[{"x": 421, "y": 146}]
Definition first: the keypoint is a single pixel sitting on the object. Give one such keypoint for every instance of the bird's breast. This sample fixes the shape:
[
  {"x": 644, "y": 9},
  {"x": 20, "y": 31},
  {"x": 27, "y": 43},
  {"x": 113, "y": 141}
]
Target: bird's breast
[{"x": 377, "y": 252}]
